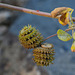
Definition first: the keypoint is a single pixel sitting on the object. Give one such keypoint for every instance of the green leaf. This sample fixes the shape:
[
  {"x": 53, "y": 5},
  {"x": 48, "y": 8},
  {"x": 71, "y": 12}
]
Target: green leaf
[
  {"x": 62, "y": 35},
  {"x": 74, "y": 35}
]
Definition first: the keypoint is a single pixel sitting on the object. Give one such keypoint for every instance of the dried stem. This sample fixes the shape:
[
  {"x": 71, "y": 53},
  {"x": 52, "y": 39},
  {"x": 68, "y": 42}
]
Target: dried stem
[
  {"x": 35, "y": 12},
  {"x": 56, "y": 34}
]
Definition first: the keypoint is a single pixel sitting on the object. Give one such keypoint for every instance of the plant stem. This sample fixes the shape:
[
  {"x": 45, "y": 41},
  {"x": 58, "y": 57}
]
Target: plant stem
[
  {"x": 56, "y": 34},
  {"x": 50, "y": 37},
  {"x": 35, "y": 12},
  {"x": 69, "y": 29}
]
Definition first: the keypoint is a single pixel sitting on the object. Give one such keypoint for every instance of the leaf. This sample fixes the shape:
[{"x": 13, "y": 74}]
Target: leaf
[
  {"x": 62, "y": 35},
  {"x": 74, "y": 35},
  {"x": 60, "y": 11},
  {"x": 73, "y": 47}
]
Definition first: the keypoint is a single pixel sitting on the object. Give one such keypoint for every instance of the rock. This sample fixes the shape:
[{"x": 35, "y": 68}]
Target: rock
[
  {"x": 4, "y": 15},
  {"x": 3, "y": 29},
  {"x": 34, "y": 71}
]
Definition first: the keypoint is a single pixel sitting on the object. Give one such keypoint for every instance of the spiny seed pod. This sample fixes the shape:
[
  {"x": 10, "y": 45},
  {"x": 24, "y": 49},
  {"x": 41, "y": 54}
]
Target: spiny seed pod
[
  {"x": 30, "y": 37},
  {"x": 43, "y": 55}
]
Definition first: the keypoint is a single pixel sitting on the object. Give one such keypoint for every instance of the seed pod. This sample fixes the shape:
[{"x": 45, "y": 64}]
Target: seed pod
[
  {"x": 64, "y": 19},
  {"x": 43, "y": 55},
  {"x": 60, "y": 11},
  {"x": 30, "y": 37}
]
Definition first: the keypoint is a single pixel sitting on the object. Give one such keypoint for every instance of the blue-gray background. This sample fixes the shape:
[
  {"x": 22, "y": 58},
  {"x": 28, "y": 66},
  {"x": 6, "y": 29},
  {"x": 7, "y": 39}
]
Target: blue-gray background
[{"x": 64, "y": 63}]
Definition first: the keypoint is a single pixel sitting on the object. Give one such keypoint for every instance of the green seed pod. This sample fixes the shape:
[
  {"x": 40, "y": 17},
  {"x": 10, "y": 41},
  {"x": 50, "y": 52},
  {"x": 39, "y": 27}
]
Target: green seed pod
[
  {"x": 43, "y": 55},
  {"x": 30, "y": 37}
]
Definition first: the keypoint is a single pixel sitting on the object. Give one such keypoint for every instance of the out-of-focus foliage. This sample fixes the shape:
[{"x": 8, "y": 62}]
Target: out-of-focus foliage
[{"x": 73, "y": 47}]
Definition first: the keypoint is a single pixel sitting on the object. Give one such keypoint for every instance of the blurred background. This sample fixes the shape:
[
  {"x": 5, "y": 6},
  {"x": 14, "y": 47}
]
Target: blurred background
[{"x": 14, "y": 59}]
